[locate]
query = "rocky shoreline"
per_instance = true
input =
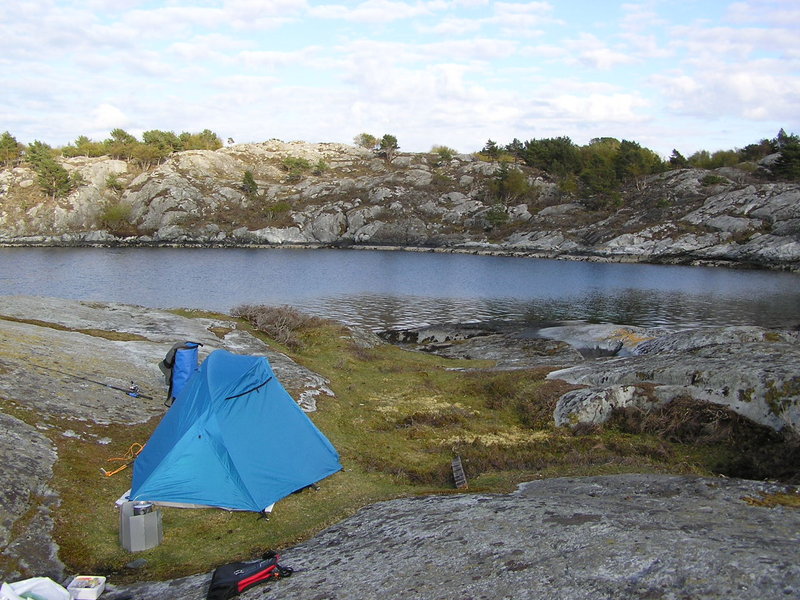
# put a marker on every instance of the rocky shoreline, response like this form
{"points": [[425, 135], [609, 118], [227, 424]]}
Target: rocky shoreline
{"points": [[724, 217], [752, 371], [474, 250], [630, 536]]}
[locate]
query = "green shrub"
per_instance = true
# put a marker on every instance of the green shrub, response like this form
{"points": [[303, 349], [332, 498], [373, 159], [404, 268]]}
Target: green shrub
{"points": [[710, 180], [116, 217], [77, 179], [497, 215], [249, 185], [366, 140], [508, 185], [282, 206], [113, 182], [296, 164], [442, 154], [321, 167], [54, 180]]}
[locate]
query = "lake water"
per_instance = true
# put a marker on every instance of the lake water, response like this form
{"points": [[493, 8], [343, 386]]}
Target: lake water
{"points": [[383, 289]]}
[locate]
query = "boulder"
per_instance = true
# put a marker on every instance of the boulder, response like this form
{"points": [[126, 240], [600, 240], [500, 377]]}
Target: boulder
{"points": [[25, 494], [753, 371], [598, 339], [596, 405], [328, 227], [277, 235]]}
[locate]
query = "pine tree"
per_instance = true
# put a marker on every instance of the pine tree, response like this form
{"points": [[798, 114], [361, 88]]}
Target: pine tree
{"points": [[9, 149], [249, 185], [54, 180]]}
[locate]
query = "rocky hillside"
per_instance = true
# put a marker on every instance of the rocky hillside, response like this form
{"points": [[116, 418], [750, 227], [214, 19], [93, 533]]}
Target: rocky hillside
{"points": [[335, 194]]}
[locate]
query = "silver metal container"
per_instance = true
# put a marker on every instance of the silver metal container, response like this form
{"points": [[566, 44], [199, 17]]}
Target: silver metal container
{"points": [[142, 508]]}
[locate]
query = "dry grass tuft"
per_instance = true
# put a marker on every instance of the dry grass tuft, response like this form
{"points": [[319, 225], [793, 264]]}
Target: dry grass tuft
{"points": [[749, 450], [684, 420], [530, 396], [791, 500], [281, 323]]}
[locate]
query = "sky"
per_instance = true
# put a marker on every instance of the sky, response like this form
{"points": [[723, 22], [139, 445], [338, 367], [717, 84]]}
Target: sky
{"points": [[672, 74]]}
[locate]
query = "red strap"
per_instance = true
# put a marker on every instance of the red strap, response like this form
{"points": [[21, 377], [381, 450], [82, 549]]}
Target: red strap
{"points": [[260, 576]]}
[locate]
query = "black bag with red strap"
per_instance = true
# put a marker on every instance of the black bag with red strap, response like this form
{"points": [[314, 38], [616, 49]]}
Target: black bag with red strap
{"points": [[232, 579]]}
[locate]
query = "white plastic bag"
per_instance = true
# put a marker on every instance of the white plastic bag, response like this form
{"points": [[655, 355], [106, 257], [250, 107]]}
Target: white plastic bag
{"points": [[35, 588]]}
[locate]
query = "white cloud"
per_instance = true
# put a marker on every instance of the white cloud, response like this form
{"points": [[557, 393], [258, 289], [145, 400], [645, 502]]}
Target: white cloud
{"points": [[272, 60], [513, 20], [477, 49], [453, 26], [453, 72], [387, 54], [377, 11], [249, 9], [642, 20], [777, 13], [211, 48], [597, 108], [108, 117], [255, 15], [590, 51], [750, 91], [526, 18], [733, 44], [169, 22], [646, 46]]}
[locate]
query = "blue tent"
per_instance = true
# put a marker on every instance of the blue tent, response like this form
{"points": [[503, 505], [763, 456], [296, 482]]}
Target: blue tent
{"points": [[234, 438]]}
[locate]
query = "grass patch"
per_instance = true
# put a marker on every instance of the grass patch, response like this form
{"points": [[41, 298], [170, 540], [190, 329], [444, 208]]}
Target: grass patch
{"points": [[792, 500], [195, 540], [397, 420], [100, 333]]}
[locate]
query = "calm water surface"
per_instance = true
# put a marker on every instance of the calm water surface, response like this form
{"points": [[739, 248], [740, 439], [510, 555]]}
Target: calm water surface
{"points": [[391, 289]]}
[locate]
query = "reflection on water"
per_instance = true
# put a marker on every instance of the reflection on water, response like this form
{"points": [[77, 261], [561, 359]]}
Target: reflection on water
{"points": [[395, 289], [671, 310], [381, 311]]}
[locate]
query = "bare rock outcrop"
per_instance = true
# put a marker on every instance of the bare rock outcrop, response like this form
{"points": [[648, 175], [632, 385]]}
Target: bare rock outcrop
{"points": [[504, 344], [336, 194], [753, 371], [623, 537], [750, 370]]}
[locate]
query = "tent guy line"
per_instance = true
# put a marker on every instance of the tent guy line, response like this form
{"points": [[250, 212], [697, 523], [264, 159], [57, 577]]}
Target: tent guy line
{"points": [[133, 390], [254, 389]]}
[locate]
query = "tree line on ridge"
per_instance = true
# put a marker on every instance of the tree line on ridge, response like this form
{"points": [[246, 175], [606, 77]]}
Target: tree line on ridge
{"points": [[597, 170]]}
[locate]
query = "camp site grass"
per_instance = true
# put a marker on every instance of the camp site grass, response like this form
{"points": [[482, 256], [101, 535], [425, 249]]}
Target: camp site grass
{"points": [[397, 421]]}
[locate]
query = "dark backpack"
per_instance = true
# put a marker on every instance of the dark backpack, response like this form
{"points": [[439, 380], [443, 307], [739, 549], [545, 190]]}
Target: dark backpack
{"points": [[232, 579], [178, 366]]}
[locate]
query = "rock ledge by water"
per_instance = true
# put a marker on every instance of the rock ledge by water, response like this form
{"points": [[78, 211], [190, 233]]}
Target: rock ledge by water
{"points": [[195, 198]]}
